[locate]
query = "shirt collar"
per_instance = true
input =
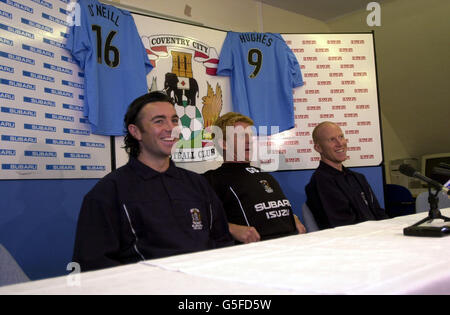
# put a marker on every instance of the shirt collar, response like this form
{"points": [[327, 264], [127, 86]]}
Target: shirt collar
{"points": [[333, 170], [146, 172], [232, 165]]}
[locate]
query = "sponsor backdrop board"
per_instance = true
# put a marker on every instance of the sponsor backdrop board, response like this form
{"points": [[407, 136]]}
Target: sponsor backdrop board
{"points": [[43, 133], [340, 86]]}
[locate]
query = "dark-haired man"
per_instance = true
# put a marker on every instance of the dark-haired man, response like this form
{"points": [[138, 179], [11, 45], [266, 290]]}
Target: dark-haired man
{"points": [[148, 208]]}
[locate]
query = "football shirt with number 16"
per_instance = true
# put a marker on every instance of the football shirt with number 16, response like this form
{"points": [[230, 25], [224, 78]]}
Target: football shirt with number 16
{"points": [[107, 46]]}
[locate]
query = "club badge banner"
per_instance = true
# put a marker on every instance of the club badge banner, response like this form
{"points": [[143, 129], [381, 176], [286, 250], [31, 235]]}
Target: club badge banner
{"points": [[185, 62]]}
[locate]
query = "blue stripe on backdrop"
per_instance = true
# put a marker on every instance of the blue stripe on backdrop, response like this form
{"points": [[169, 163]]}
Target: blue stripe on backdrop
{"points": [[293, 183], [38, 217], [38, 221]]}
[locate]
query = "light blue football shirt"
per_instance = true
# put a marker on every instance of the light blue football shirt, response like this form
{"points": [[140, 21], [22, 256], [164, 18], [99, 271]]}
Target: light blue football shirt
{"points": [[108, 48], [263, 72]]}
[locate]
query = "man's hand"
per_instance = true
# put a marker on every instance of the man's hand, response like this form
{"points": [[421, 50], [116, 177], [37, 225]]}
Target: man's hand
{"points": [[244, 234], [300, 228]]}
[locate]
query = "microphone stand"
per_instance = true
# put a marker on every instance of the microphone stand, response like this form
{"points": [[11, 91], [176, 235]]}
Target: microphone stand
{"points": [[434, 213]]}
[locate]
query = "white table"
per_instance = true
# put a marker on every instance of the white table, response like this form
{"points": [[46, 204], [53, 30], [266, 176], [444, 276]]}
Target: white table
{"points": [[367, 258]]}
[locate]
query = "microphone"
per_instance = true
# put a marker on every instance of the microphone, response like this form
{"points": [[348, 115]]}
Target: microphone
{"points": [[408, 170], [418, 229]]}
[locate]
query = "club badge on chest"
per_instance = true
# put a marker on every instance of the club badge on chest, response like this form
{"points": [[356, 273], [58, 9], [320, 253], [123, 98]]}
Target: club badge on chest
{"points": [[196, 219]]}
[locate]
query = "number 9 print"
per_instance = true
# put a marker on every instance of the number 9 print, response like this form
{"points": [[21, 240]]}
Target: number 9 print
{"points": [[255, 63]]}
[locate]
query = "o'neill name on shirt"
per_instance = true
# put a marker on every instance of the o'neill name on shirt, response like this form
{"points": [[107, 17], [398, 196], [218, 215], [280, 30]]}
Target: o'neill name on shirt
{"points": [[104, 12]]}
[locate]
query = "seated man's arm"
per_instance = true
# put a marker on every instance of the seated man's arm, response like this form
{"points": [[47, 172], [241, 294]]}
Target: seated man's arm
{"points": [[96, 242], [220, 233], [329, 205], [244, 234], [300, 227], [379, 212]]}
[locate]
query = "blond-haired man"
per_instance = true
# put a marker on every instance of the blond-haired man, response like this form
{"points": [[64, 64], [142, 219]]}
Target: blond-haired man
{"points": [[256, 206], [336, 195]]}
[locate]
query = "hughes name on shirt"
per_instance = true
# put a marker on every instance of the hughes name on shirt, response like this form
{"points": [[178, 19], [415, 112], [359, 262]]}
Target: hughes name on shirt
{"points": [[256, 37]]}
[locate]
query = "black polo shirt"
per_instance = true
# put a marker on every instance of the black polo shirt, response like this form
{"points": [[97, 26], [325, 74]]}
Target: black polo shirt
{"points": [[136, 213], [253, 198], [339, 198]]}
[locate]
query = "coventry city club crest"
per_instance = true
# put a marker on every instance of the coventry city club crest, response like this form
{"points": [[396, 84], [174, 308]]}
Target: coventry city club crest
{"points": [[266, 186], [184, 68], [196, 219]]}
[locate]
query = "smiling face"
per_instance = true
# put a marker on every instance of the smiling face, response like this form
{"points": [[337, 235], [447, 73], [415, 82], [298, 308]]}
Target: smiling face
{"points": [[242, 142], [153, 130], [330, 142], [237, 147]]}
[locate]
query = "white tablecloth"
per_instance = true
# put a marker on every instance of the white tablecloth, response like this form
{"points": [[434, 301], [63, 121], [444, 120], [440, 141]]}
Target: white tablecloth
{"points": [[367, 258]]}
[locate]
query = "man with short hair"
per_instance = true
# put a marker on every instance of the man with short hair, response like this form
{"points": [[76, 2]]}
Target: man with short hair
{"points": [[256, 206], [336, 195], [148, 208]]}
